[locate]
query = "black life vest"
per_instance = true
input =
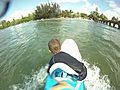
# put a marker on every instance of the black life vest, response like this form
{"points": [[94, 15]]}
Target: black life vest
{"points": [[72, 62]]}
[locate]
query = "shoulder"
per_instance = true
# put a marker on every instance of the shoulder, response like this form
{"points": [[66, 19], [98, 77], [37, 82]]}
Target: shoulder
{"points": [[60, 54]]}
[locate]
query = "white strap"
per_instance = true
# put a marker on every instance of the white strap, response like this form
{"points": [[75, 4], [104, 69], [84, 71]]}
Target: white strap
{"points": [[64, 67]]}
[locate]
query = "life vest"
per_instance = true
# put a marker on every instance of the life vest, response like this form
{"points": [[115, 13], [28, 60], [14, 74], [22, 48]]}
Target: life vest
{"points": [[69, 64]]}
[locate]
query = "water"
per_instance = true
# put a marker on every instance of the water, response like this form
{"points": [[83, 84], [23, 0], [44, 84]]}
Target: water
{"points": [[24, 55]]}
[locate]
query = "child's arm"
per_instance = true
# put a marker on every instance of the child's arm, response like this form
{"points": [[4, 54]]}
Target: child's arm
{"points": [[61, 85]]}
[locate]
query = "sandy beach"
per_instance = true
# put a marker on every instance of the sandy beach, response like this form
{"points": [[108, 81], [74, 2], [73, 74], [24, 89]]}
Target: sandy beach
{"points": [[65, 19]]}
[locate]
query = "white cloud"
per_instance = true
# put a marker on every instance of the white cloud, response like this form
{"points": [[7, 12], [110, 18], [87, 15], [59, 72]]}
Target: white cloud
{"points": [[41, 3], [87, 7], [112, 4], [16, 15], [110, 14], [62, 1], [116, 9]]}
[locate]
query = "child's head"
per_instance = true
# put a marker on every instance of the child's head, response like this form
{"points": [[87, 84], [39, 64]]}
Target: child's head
{"points": [[54, 46]]}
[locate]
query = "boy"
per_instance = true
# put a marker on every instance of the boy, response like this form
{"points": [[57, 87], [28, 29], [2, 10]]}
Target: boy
{"points": [[59, 56]]}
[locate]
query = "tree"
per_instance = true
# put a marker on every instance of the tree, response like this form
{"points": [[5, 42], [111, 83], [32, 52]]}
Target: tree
{"points": [[84, 16], [96, 9], [3, 22], [78, 15], [14, 21], [48, 10], [94, 16], [114, 19], [67, 13], [103, 17]]}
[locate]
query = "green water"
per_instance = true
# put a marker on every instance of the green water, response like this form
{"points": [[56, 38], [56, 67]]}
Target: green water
{"points": [[24, 55]]}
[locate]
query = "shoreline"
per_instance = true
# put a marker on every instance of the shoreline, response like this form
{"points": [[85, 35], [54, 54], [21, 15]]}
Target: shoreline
{"points": [[116, 26], [62, 18], [65, 19]]}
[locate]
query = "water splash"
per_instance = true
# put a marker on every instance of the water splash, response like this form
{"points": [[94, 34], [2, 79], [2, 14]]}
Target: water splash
{"points": [[95, 81], [32, 83]]}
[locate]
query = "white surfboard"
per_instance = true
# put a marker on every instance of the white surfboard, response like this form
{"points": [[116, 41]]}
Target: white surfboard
{"points": [[69, 46]]}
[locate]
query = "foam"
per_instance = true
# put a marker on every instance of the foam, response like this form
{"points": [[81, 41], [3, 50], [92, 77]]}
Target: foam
{"points": [[93, 81], [32, 83]]}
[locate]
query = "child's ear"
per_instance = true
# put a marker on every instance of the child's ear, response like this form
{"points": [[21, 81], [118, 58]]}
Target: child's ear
{"points": [[49, 51]]}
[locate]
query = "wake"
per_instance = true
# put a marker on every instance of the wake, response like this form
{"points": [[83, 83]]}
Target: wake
{"points": [[93, 81]]}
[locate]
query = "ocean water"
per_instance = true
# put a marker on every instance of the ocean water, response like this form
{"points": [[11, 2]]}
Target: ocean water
{"points": [[24, 54]]}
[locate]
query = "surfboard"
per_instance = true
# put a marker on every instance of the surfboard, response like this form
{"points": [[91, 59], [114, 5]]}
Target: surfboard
{"points": [[68, 46]]}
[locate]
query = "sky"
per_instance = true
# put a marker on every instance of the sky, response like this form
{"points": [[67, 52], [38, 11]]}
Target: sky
{"points": [[20, 8]]}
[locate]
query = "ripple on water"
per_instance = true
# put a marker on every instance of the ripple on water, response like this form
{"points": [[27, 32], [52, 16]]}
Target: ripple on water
{"points": [[24, 50]]}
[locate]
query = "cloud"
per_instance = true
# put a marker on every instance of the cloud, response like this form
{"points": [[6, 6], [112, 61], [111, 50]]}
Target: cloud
{"points": [[110, 14], [115, 9], [17, 15], [63, 1], [87, 7], [112, 3]]}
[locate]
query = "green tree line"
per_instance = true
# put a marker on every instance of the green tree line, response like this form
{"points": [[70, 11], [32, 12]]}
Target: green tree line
{"points": [[52, 10]]}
